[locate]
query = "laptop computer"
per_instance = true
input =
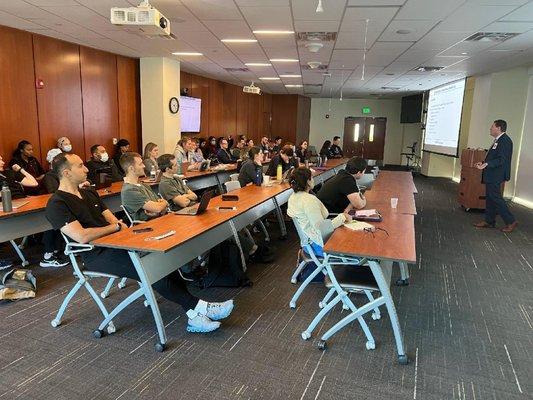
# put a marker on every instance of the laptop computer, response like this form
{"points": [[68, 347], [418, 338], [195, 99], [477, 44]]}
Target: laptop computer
{"points": [[197, 208]]}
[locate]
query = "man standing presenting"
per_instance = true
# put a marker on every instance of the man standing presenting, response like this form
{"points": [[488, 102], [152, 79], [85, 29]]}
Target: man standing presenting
{"points": [[497, 169]]}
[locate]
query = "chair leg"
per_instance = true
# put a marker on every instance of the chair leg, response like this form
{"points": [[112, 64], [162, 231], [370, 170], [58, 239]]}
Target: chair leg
{"points": [[376, 314], [57, 320], [122, 283], [307, 333], [107, 288], [299, 268], [19, 252], [326, 298], [302, 287], [263, 228]]}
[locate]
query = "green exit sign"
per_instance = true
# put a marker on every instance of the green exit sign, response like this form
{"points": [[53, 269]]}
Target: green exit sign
{"points": [[366, 110]]}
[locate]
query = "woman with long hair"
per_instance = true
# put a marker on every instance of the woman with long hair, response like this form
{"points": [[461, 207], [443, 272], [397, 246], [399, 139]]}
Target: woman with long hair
{"points": [[151, 152]]}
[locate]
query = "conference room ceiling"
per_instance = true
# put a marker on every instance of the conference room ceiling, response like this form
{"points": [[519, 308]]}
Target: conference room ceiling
{"points": [[401, 35]]}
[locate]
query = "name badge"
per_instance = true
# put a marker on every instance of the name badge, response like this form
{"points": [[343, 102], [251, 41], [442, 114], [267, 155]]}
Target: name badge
{"points": [[494, 146]]}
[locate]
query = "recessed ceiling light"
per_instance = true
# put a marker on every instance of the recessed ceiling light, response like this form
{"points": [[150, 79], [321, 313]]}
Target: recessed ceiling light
{"points": [[293, 86], [187, 53], [290, 76], [403, 31], [238, 40], [464, 54], [283, 60], [257, 64], [389, 74], [269, 78], [273, 32]]}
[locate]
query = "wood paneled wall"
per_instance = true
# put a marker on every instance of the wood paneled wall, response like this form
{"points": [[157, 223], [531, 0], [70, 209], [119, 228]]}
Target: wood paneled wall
{"points": [[226, 110], [89, 95]]}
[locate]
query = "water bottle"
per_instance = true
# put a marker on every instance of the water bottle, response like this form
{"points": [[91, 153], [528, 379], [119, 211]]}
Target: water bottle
{"points": [[306, 163], [179, 168], [258, 176], [7, 206], [153, 173], [319, 162], [279, 172], [325, 160]]}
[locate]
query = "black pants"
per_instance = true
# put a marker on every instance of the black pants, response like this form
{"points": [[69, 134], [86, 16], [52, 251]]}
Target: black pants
{"points": [[118, 262], [53, 241], [495, 204]]}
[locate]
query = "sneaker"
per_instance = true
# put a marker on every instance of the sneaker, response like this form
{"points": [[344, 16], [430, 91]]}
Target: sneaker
{"points": [[5, 264], [218, 311], [53, 262], [201, 324]]}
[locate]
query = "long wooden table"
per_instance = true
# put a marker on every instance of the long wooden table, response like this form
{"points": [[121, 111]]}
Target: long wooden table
{"points": [[193, 235], [30, 218], [393, 242]]}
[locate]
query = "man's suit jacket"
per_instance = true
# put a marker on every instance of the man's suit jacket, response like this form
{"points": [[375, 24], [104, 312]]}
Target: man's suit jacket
{"points": [[498, 161]]}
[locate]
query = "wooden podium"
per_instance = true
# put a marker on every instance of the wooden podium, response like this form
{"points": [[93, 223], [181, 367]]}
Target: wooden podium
{"points": [[471, 190]]}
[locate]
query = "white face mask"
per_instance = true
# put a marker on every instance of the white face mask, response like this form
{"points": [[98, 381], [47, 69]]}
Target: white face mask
{"points": [[104, 157], [67, 148]]}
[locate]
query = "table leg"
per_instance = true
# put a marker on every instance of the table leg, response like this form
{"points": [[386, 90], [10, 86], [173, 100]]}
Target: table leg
{"points": [[220, 185], [281, 221], [238, 242], [404, 272]]}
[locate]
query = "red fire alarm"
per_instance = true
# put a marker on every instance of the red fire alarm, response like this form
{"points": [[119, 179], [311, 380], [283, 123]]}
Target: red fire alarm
{"points": [[39, 84]]}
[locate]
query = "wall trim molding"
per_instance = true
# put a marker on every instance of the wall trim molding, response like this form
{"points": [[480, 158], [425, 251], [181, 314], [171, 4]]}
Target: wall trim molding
{"points": [[523, 202]]}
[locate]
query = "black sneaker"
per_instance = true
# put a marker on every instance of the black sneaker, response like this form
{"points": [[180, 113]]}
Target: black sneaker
{"points": [[53, 262], [5, 264]]}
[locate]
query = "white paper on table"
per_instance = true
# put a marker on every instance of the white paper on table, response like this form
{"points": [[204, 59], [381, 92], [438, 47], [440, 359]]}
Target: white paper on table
{"points": [[365, 213]]}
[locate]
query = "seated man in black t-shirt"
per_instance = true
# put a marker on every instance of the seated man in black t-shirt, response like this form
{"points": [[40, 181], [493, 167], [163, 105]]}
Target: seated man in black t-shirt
{"points": [[100, 163], [82, 216], [335, 150], [341, 193]]}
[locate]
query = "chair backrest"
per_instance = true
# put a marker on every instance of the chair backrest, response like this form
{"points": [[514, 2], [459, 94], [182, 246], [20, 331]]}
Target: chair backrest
{"points": [[305, 242], [234, 177], [232, 185], [130, 219]]}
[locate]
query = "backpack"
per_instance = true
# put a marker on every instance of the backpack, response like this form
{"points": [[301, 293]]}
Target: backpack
{"points": [[17, 284]]}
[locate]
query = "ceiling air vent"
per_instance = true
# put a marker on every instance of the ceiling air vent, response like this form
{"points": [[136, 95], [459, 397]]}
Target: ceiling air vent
{"points": [[316, 36], [426, 68], [314, 88], [390, 88], [321, 67], [237, 69], [495, 37]]}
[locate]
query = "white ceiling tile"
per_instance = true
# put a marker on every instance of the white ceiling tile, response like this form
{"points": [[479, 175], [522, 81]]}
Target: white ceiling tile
{"points": [[418, 29], [524, 13], [520, 42], [316, 26], [259, 3], [190, 25], [360, 3], [209, 9], [433, 10], [258, 17], [41, 3], [378, 17], [473, 16], [203, 39], [16, 22], [383, 53], [512, 27], [277, 41], [21, 8], [224, 29], [440, 40]]}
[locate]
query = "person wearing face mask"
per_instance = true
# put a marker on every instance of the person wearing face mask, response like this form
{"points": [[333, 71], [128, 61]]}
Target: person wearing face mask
{"points": [[63, 146], [122, 147], [309, 212], [100, 163], [23, 156], [210, 147]]}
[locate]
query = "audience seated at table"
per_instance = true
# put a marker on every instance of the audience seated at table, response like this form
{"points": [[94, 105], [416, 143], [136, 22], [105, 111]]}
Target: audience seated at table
{"points": [[335, 150], [99, 163], [122, 146], [325, 151], [184, 150], [197, 154], [23, 156], [341, 193], [63, 146], [151, 152], [264, 145], [252, 169], [82, 216], [309, 212], [223, 154], [173, 189], [285, 158], [302, 153]]}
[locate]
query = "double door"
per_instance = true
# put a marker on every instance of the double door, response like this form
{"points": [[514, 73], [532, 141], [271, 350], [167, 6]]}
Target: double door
{"points": [[364, 137]]}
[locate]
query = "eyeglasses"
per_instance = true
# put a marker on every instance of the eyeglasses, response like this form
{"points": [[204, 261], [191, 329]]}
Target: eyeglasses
{"points": [[373, 230]]}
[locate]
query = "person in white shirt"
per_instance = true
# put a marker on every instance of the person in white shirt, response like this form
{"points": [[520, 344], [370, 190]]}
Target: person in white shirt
{"points": [[308, 211]]}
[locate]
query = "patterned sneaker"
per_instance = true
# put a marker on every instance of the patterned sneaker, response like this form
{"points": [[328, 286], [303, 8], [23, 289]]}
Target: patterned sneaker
{"points": [[218, 311], [53, 262], [201, 324], [5, 264]]}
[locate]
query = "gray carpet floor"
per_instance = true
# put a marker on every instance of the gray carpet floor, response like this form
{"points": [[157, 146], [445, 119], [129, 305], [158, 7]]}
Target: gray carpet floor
{"points": [[467, 318]]}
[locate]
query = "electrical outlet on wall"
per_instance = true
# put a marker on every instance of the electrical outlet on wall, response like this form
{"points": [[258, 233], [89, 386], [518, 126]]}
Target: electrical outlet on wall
{"points": [[115, 140]]}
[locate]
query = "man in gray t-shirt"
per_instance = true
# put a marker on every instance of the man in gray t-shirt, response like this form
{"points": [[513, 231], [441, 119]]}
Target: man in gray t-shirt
{"points": [[139, 200], [173, 189]]}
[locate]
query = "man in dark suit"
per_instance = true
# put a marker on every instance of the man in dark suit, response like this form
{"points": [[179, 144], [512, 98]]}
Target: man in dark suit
{"points": [[497, 169]]}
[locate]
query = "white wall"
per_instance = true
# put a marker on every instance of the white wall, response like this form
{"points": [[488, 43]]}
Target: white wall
{"points": [[323, 128], [160, 81]]}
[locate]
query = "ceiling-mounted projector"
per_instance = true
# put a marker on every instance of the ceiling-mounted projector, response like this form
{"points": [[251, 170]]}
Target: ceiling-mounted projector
{"points": [[144, 17], [251, 89]]}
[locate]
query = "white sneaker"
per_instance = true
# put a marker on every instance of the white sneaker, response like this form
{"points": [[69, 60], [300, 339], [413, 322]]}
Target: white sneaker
{"points": [[218, 311], [201, 324]]}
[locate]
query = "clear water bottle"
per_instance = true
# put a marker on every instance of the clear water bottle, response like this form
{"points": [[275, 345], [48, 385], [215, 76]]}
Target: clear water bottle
{"points": [[7, 206], [325, 160], [153, 173], [179, 168]]}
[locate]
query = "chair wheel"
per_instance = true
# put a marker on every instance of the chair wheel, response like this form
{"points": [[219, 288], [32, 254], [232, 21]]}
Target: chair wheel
{"points": [[25, 263], [306, 335], [376, 316], [103, 295], [294, 281], [121, 285], [55, 323], [111, 328], [146, 304], [292, 304], [160, 347], [345, 307], [98, 333], [321, 304], [322, 345], [402, 282], [403, 359], [370, 345]]}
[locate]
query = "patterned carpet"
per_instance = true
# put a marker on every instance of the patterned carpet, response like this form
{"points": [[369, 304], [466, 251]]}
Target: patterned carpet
{"points": [[467, 318]]}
